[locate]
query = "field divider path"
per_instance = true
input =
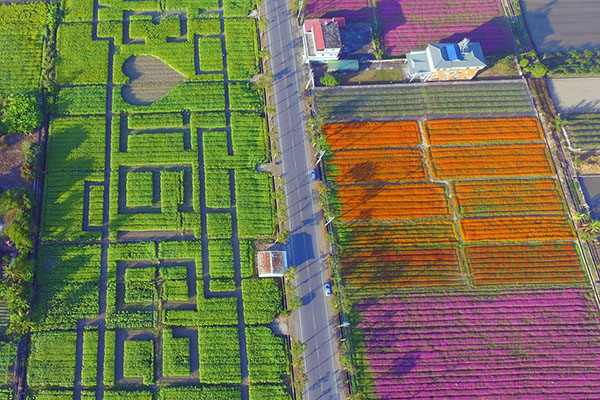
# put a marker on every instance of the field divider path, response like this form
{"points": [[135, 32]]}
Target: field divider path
{"points": [[453, 207], [105, 212]]}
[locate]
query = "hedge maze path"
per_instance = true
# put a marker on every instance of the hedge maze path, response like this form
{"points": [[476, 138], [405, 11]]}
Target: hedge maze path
{"points": [[162, 302]]}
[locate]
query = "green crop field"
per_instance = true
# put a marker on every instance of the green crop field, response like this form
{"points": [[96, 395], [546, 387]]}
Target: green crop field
{"points": [[583, 130], [146, 286], [412, 101], [22, 28]]}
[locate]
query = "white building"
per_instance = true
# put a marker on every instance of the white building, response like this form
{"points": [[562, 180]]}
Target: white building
{"points": [[446, 62], [271, 264], [322, 40]]}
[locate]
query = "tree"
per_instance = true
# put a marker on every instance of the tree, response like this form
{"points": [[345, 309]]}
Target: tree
{"points": [[291, 294], [263, 81], [538, 70], [590, 231], [329, 80], [21, 114], [264, 54]]}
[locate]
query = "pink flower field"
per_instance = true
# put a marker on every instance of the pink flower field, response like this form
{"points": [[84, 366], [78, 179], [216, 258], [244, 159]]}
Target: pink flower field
{"points": [[411, 24], [352, 10], [542, 344]]}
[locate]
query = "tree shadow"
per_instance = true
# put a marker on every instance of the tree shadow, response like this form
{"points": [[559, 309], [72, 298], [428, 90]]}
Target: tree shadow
{"points": [[404, 365]]}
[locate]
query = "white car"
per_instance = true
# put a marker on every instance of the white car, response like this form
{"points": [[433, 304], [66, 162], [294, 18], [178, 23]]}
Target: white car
{"points": [[327, 287]]}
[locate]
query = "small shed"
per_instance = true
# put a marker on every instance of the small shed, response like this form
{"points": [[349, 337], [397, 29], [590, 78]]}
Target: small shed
{"points": [[271, 264]]}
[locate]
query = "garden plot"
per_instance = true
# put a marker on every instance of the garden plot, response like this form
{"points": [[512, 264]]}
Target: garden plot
{"points": [[412, 24], [562, 25], [576, 95], [471, 344], [22, 27], [429, 100], [152, 203]]}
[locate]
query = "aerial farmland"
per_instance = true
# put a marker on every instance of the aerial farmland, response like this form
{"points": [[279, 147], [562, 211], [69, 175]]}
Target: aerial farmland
{"points": [[320, 199], [145, 279], [460, 221]]}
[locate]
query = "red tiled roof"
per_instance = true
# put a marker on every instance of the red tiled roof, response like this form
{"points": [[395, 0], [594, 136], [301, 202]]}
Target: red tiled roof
{"points": [[314, 26]]}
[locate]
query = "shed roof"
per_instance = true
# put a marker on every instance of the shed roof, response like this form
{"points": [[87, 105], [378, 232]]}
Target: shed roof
{"points": [[271, 263], [342, 65]]}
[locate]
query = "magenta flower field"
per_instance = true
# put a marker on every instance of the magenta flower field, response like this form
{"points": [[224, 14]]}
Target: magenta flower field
{"points": [[407, 25], [411, 24], [542, 344], [352, 10]]}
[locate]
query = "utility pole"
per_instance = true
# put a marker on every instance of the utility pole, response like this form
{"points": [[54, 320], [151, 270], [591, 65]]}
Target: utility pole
{"points": [[320, 157]]}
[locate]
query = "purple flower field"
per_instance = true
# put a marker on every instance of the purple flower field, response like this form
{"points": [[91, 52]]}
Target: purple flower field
{"points": [[411, 24], [352, 10], [542, 344]]}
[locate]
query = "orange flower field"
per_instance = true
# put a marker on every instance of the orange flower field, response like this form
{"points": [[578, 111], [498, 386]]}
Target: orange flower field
{"points": [[390, 165], [517, 228], [478, 205], [405, 233], [383, 270], [372, 135], [391, 202], [546, 263], [448, 132], [491, 161], [508, 197]]}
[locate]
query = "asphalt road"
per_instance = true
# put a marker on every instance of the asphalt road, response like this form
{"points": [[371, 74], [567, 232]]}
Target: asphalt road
{"points": [[317, 325]]}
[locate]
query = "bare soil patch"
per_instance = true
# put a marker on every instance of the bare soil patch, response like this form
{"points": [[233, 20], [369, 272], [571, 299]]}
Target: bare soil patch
{"points": [[575, 95], [11, 160], [150, 79], [559, 25]]}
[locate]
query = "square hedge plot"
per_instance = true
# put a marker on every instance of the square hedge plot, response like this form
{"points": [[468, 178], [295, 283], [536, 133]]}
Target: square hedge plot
{"points": [[138, 360]]}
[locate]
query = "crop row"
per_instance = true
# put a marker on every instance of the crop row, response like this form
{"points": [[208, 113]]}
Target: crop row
{"points": [[377, 165], [491, 161], [508, 197], [464, 131], [401, 102], [584, 130], [390, 202], [550, 263], [372, 135], [517, 228], [380, 271]]}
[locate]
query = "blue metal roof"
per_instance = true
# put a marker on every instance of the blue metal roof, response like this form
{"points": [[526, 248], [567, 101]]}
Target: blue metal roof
{"points": [[452, 52]]}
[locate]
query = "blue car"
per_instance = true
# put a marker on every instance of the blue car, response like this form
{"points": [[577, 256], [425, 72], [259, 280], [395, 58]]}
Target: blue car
{"points": [[313, 175]]}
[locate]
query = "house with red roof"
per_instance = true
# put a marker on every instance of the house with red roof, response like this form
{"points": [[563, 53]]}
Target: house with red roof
{"points": [[321, 38]]}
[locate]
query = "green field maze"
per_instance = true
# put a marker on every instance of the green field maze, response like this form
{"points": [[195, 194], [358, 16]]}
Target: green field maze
{"points": [[146, 285]]}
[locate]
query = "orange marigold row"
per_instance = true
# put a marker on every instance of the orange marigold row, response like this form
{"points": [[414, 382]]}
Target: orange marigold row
{"points": [[463, 131], [362, 135]]}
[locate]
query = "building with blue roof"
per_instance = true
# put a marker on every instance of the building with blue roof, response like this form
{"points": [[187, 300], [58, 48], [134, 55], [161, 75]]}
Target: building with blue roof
{"points": [[446, 62]]}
